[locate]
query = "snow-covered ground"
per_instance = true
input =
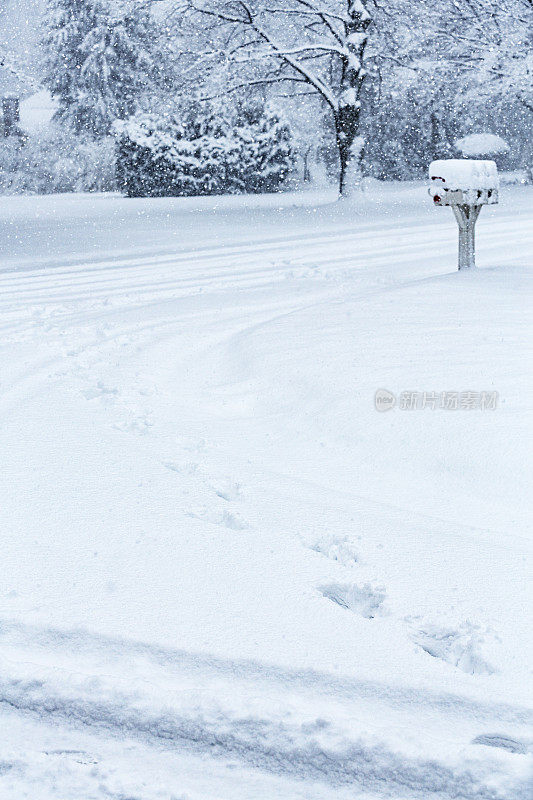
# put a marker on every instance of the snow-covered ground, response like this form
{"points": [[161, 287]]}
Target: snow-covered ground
{"points": [[225, 575]]}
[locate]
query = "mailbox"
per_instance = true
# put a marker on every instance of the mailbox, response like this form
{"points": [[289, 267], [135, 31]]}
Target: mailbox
{"points": [[465, 185]]}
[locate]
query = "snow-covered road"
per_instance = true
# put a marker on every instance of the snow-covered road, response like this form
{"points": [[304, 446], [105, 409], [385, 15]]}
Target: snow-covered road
{"points": [[225, 574]]}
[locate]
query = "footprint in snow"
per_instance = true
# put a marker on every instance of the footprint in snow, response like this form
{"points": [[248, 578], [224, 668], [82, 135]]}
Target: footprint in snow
{"points": [[100, 390], [461, 647], [500, 740], [227, 490], [140, 425], [337, 548], [190, 468], [363, 600], [228, 519], [79, 756], [234, 521]]}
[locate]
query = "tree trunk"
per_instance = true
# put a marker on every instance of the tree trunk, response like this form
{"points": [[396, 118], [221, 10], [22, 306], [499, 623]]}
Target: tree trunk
{"points": [[11, 112], [435, 138], [347, 118], [307, 171], [350, 147]]}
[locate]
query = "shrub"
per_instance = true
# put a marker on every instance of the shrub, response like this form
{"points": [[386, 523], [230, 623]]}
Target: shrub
{"points": [[203, 154], [56, 161]]}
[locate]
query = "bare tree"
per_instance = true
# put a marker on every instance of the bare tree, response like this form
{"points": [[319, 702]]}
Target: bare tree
{"points": [[491, 43], [318, 43]]}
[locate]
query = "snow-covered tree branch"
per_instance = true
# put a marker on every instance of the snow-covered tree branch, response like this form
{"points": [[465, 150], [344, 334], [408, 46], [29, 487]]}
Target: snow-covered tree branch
{"points": [[492, 44], [317, 42]]}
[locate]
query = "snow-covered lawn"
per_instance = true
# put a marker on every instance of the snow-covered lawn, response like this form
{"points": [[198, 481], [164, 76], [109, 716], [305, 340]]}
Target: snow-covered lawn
{"points": [[225, 575]]}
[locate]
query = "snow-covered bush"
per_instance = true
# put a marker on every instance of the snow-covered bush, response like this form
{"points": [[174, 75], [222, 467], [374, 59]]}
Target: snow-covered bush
{"points": [[203, 153], [56, 162], [265, 150]]}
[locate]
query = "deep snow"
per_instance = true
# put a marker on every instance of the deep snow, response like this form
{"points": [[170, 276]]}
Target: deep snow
{"points": [[225, 574]]}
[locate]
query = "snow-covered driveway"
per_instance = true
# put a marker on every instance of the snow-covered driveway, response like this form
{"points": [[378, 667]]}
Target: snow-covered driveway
{"points": [[225, 575]]}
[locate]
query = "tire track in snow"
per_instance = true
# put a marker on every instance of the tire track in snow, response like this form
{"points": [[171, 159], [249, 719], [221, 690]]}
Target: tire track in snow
{"points": [[117, 694], [121, 283], [344, 233], [86, 645], [222, 265], [30, 382], [41, 371], [255, 745]]}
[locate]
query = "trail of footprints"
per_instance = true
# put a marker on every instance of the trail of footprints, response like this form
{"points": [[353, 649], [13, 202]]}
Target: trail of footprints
{"points": [[366, 600], [460, 647], [223, 511]]}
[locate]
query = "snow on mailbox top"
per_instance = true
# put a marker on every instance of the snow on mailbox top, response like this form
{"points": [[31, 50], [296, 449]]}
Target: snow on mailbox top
{"points": [[482, 144], [461, 181]]}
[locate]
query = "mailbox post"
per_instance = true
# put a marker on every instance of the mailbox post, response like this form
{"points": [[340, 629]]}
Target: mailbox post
{"points": [[465, 185], [466, 217]]}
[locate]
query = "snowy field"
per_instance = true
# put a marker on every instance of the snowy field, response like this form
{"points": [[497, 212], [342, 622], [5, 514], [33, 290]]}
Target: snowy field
{"points": [[225, 575]]}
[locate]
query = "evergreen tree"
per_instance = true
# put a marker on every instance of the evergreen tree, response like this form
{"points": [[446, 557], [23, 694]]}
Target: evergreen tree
{"points": [[100, 61]]}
